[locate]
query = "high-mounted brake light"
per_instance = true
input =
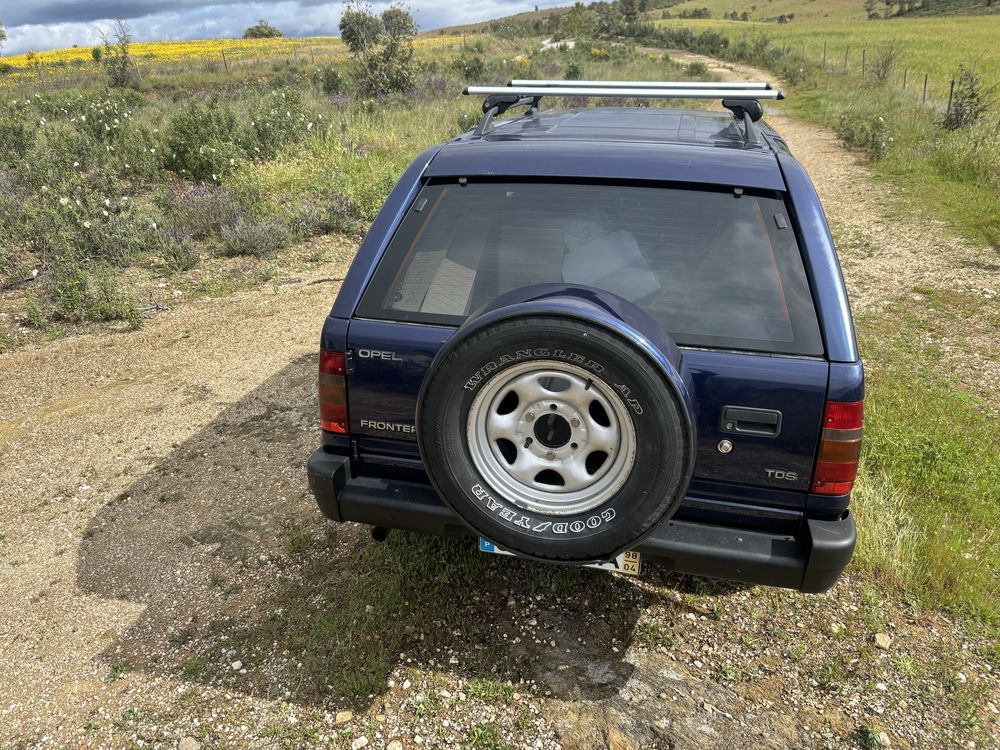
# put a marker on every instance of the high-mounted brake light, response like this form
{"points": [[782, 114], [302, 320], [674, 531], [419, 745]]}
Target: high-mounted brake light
{"points": [[333, 392], [839, 448]]}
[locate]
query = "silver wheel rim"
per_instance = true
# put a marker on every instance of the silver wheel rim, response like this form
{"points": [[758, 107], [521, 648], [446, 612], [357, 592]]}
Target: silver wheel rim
{"points": [[551, 438]]}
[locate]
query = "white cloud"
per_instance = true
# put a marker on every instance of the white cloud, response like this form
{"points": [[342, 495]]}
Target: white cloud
{"points": [[193, 19]]}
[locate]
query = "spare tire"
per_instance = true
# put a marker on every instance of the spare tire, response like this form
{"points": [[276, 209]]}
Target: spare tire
{"points": [[554, 437]]}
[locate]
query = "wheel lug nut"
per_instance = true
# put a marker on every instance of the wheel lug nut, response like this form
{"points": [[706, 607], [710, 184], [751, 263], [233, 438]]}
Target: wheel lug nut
{"points": [[529, 417], [574, 422], [550, 455]]}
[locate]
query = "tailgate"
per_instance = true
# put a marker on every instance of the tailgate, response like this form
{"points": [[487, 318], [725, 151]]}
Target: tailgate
{"points": [[770, 410]]}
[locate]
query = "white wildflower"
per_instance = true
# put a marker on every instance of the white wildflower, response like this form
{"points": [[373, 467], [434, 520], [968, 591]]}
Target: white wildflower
{"points": [[45, 188], [107, 202], [309, 126], [105, 212], [152, 224], [86, 225], [64, 201], [76, 164], [214, 178]]}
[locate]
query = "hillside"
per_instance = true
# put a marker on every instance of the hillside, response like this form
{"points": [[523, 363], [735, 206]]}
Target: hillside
{"points": [[827, 10]]}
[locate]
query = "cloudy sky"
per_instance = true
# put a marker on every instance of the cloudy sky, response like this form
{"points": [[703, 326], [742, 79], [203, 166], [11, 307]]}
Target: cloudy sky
{"points": [[50, 24]]}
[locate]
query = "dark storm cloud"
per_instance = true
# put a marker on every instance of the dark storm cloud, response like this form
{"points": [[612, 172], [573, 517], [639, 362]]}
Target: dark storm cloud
{"points": [[49, 24]]}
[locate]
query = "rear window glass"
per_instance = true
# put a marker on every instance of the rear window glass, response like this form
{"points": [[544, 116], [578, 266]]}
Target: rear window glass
{"points": [[715, 269]]}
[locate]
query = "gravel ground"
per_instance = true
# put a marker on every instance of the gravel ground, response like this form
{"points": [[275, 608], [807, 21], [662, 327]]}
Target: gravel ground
{"points": [[165, 579]]}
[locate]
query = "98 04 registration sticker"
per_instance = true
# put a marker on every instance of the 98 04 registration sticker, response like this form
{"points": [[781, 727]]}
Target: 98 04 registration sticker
{"points": [[628, 562]]}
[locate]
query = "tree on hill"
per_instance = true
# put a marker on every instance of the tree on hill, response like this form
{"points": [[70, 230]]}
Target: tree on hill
{"points": [[116, 55], [630, 9], [359, 27], [579, 23], [261, 30], [3, 35], [382, 47]]}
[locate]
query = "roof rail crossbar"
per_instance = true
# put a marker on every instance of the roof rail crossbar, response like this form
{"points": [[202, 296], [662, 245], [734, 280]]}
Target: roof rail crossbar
{"points": [[756, 85], [741, 98], [708, 91]]}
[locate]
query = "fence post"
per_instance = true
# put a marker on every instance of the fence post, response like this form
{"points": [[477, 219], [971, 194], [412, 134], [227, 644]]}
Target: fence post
{"points": [[824, 55], [864, 54], [925, 89], [224, 61], [951, 93], [905, 71]]}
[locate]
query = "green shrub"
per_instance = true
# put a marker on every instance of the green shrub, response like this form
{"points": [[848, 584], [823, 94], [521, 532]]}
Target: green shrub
{"points": [[256, 237], [469, 67], [277, 119], [696, 70], [202, 141], [574, 71], [49, 162], [18, 132], [34, 312], [77, 295], [118, 234], [971, 100], [328, 80], [868, 132]]}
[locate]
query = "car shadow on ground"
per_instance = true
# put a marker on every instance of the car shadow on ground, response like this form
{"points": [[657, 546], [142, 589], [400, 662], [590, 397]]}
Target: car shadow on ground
{"points": [[245, 586]]}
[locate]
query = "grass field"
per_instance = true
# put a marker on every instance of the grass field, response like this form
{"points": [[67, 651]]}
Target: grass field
{"points": [[762, 10], [920, 41]]}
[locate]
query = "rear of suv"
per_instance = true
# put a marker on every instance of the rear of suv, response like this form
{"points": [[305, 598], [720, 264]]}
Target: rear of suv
{"points": [[599, 335]]}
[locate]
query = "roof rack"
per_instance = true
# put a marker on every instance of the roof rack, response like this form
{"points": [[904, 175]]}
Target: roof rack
{"points": [[756, 85], [741, 98]]}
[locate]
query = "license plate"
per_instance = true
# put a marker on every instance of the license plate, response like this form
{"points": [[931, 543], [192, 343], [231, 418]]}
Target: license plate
{"points": [[628, 562]]}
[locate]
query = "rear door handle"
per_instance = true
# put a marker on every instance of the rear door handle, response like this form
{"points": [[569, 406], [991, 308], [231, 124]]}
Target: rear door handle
{"points": [[747, 420]]}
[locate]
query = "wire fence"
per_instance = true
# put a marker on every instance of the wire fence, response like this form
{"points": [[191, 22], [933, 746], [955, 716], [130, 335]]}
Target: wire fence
{"points": [[880, 64]]}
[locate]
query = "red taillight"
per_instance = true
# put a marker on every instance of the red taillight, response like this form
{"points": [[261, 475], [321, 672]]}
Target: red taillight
{"points": [[839, 448], [844, 415], [332, 392]]}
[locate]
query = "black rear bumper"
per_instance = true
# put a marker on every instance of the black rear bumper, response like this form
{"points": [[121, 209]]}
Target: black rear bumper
{"points": [[811, 561]]}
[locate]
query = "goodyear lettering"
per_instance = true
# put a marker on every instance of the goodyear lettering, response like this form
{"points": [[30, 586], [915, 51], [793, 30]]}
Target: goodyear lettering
{"points": [[515, 518]]}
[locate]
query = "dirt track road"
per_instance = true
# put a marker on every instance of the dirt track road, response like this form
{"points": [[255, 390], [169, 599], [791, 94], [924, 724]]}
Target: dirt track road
{"points": [[152, 496]]}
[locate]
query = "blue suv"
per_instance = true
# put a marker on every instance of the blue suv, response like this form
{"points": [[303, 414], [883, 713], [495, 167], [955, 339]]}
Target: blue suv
{"points": [[601, 335]]}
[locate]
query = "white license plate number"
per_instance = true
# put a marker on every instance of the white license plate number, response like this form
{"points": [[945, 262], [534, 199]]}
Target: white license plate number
{"points": [[628, 562]]}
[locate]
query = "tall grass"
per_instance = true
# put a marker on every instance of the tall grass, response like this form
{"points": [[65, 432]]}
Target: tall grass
{"points": [[928, 497]]}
